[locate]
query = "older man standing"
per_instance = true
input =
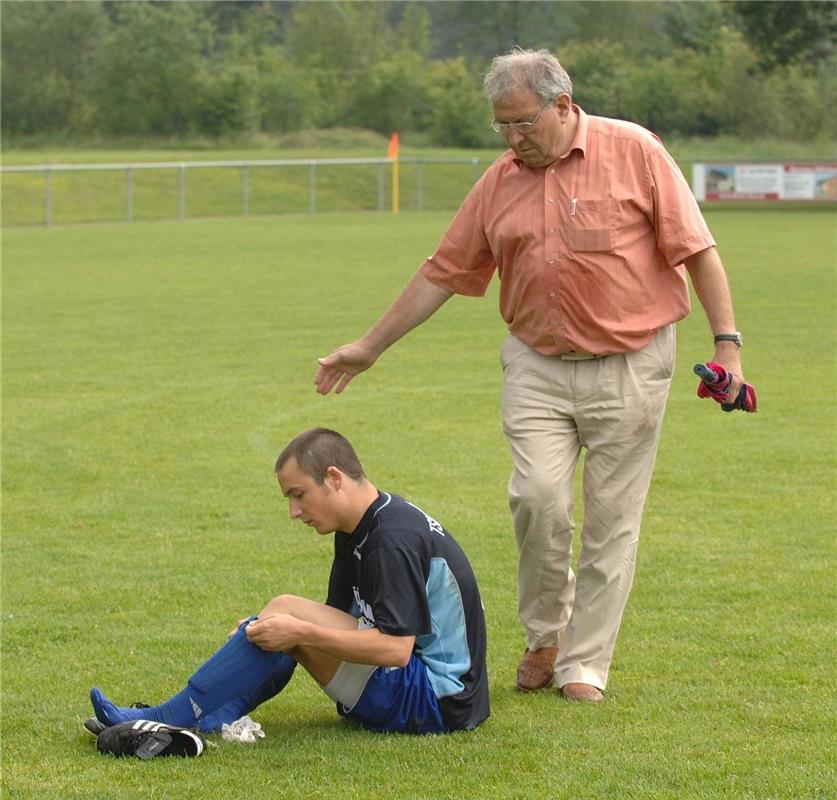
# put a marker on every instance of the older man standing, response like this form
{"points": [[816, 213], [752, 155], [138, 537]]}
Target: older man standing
{"points": [[589, 224]]}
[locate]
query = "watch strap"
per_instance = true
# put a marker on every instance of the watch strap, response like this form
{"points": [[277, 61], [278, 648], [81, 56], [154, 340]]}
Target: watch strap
{"points": [[729, 337]]}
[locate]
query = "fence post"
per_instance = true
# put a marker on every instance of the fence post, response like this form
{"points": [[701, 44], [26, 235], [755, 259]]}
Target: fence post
{"points": [[380, 187], [48, 197], [420, 185], [312, 187], [475, 170], [245, 190], [181, 192], [129, 194]]}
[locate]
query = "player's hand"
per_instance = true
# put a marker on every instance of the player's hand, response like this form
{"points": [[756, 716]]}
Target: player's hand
{"points": [[237, 626], [276, 632], [342, 365]]}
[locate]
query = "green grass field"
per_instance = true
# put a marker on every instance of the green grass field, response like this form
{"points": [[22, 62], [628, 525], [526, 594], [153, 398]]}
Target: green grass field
{"points": [[151, 373]]}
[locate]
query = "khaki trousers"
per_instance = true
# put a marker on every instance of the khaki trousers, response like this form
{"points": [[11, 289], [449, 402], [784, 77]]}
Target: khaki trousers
{"points": [[552, 408]]}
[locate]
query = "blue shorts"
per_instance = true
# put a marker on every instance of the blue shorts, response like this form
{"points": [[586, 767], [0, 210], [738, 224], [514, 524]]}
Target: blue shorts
{"points": [[398, 700]]}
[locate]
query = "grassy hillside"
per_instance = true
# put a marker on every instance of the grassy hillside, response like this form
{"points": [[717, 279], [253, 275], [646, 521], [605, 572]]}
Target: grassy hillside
{"points": [[114, 195]]}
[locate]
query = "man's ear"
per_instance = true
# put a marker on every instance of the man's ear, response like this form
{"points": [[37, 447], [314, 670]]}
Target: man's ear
{"points": [[564, 104], [334, 478]]}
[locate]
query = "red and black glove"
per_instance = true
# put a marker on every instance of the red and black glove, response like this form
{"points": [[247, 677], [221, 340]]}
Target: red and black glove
{"points": [[715, 382]]}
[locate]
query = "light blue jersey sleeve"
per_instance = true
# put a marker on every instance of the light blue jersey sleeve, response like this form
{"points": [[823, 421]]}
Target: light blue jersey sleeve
{"points": [[445, 649]]}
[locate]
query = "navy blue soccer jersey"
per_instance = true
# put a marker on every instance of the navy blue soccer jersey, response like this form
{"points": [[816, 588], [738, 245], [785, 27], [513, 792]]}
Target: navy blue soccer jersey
{"points": [[403, 573]]}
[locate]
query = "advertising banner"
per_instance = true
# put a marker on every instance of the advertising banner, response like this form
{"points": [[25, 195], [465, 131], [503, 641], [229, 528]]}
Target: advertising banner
{"points": [[765, 181]]}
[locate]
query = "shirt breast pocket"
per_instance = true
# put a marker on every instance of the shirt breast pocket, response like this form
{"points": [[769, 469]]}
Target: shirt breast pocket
{"points": [[591, 225]]}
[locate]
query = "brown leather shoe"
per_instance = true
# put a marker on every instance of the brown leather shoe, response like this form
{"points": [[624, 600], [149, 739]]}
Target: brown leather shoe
{"points": [[584, 692], [537, 669]]}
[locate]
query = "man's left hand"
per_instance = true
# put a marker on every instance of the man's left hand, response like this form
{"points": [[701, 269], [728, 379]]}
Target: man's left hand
{"points": [[720, 387], [728, 356], [276, 632]]}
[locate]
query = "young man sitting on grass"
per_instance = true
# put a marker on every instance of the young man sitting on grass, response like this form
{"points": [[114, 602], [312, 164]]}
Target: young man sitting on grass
{"points": [[399, 644]]}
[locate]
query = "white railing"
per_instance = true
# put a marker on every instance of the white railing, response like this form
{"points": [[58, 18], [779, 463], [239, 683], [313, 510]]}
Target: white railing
{"points": [[182, 167]]}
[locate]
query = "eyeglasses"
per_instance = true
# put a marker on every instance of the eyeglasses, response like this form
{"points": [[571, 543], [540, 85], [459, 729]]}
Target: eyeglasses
{"points": [[505, 128]]}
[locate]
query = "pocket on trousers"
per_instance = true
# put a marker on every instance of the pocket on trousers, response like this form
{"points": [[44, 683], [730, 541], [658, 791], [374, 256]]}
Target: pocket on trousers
{"points": [[656, 359]]}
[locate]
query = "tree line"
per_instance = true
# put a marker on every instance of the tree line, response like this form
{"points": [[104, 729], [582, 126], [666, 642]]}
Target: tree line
{"points": [[181, 69]]}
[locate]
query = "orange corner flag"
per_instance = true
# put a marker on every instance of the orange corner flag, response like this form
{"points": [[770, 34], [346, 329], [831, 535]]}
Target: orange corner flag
{"points": [[392, 152]]}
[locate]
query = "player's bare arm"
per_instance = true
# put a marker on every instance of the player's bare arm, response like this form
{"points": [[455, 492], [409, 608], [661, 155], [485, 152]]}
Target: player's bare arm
{"points": [[418, 301], [370, 646], [712, 289]]}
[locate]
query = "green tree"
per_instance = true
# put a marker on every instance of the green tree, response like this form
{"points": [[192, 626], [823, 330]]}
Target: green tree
{"points": [[288, 97], [638, 28], [149, 69], [228, 100], [47, 57], [336, 42], [391, 96], [478, 31], [690, 25], [281, 95], [786, 32], [413, 31], [600, 72], [461, 115]]}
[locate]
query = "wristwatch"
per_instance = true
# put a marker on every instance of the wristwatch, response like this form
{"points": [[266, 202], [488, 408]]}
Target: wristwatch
{"points": [[730, 337]]}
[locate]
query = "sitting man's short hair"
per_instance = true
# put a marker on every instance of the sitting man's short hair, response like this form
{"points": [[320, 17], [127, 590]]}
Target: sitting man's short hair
{"points": [[317, 450]]}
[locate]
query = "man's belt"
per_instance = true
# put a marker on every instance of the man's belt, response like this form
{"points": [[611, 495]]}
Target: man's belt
{"points": [[577, 356]]}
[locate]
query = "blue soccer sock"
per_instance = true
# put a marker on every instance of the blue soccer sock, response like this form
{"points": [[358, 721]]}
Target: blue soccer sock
{"points": [[235, 709], [227, 677], [112, 714]]}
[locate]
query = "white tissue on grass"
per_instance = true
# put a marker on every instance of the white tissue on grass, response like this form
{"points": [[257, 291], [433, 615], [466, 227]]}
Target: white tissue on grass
{"points": [[242, 730]]}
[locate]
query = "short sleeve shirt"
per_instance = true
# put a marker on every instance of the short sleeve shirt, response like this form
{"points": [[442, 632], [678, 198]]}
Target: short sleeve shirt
{"points": [[400, 571], [589, 250]]}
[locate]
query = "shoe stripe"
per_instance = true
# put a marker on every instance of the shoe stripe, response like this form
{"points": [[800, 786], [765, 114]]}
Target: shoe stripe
{"points": [[146, 725], [198, 741]]}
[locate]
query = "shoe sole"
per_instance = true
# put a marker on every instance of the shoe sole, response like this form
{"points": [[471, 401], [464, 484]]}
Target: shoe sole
{"points": [[592, 698], [533, 689]]}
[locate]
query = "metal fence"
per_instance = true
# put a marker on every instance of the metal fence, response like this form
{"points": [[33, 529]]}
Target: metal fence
{"points": [[32, 200]]}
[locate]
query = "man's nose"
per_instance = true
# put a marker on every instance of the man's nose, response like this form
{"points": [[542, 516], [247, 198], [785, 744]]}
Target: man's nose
{"points": [[296, 511], [515, 137]]}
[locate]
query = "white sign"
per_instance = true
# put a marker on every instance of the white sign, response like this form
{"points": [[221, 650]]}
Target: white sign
{"points": [[765, 181]]}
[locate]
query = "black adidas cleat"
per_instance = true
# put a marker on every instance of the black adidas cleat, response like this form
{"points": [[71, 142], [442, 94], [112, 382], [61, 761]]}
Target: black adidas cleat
{"points": [[93, 726], [145, 739]]}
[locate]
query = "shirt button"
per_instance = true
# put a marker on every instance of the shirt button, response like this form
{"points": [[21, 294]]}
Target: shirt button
{"points": [[551, 260], [552, 294], [552, 230], [552, 171], [551, 199]]}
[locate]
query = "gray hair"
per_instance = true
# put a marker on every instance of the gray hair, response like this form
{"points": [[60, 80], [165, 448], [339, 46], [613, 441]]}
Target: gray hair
{"points": [[536, 70]]}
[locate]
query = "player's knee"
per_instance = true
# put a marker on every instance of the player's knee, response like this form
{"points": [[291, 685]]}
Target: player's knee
{"points": [[282, 604]]}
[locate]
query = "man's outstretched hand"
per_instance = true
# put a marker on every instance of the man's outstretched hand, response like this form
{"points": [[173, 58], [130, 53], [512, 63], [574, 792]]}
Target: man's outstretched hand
{"points": [[342, 365]]}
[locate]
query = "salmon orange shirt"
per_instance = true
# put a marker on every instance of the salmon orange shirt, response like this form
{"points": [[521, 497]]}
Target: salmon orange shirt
{"points": [[589, 250]]}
